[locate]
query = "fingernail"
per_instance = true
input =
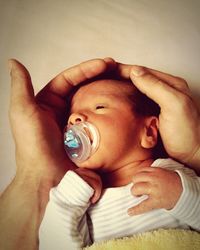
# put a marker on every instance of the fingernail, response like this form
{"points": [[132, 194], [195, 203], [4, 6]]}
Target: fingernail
{"points": [[138, 71]]}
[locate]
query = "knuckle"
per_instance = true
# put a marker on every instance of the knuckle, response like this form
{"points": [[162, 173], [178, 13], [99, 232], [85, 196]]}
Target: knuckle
{"points": [[149, 77], [158, 170], [182, 86], [136, 189]]}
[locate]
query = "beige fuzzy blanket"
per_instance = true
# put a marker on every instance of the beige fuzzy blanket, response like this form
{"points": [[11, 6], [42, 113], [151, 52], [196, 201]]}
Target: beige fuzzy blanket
{"points": [[162, 239]]}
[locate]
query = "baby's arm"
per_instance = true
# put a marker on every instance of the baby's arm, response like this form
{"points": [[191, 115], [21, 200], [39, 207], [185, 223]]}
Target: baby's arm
{"points": [[64, 225], [177, 191]]}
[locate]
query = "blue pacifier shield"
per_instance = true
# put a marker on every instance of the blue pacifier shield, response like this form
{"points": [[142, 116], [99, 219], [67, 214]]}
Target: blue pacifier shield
{"points": [[71, 140]]}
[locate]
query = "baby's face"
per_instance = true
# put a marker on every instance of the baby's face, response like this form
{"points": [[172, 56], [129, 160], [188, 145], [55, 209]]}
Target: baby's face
{"points": [[105, 104]]}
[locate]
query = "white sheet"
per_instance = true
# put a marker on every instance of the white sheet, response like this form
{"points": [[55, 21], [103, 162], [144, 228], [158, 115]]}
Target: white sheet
{"points": [[48, 36]]}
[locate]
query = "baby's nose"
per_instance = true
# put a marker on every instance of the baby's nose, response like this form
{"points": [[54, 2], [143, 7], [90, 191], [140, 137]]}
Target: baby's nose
{"points": [[76, 118]]}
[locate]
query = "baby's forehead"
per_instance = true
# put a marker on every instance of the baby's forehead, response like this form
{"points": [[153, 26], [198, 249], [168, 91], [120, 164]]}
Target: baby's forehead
{"points": [[105, 87]]}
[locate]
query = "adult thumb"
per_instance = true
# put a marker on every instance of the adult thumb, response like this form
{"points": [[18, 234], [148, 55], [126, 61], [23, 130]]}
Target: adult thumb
{"points": [[22, 93]]}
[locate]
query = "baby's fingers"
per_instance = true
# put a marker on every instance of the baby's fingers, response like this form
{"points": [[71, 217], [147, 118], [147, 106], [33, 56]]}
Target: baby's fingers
{"points": [[97, 194], [143, 207], [96, 184], [93, 180], [141, 188]]}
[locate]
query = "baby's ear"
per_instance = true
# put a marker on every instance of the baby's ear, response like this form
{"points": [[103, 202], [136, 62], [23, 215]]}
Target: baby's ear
{"points": [[150, 132]]}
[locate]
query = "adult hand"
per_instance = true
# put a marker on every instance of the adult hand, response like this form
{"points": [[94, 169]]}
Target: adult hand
{"points": [[156, 183], [179, 120], [36, 124]]}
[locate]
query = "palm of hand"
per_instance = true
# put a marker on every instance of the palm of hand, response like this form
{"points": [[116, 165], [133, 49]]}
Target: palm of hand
{"points": [[38, 129]]}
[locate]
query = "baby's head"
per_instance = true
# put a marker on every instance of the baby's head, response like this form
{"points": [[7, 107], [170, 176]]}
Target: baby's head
{"points": [[127, 122]]}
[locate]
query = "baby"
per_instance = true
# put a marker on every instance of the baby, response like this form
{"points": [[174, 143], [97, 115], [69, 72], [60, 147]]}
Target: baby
{"points": [[92, 203]]}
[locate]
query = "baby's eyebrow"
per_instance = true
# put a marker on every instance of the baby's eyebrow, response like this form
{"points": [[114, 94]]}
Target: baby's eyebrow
{"points": [[114, 95], [98, 98]]}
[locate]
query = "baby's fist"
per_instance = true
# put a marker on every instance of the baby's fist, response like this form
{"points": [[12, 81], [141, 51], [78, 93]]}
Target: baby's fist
{"points": [[93, 180]]}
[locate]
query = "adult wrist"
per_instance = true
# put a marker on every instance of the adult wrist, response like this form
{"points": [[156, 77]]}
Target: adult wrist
{"points": [[22, 204], [35, 184]]}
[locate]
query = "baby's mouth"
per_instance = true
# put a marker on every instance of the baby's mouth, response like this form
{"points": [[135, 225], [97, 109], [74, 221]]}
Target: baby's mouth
{"points": [[89, 134]]}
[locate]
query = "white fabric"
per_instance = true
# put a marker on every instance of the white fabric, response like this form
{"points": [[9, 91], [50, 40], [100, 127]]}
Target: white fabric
{"points": [[49, 36], [70, 222]]}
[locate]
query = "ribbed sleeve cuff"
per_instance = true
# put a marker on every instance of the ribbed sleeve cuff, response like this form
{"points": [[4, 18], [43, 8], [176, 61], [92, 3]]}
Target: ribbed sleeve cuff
{"points": [[186, 207], [72, 190]]}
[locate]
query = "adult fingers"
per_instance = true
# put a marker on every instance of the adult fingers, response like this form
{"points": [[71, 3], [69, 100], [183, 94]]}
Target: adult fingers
{"points": [[175, 82], [156, 89], [22, 93], [125, 70], [62, 83]]}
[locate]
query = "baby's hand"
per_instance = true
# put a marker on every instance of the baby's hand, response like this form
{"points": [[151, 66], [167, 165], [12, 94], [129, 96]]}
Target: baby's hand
{"points": [[93, 180], [162, 186]]}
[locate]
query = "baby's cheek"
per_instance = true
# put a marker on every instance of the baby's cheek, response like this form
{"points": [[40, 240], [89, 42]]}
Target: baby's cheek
{"points": [[94, 162]]}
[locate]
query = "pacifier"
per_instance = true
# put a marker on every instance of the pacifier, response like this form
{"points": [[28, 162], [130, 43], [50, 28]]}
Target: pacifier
{"points": [[81, 140]]}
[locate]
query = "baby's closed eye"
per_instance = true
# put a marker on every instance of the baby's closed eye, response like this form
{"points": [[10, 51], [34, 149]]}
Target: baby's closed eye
{"points": [[100, 106]]}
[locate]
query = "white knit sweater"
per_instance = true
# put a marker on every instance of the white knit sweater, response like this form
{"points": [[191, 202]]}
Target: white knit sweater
{"points": [[71, 222]]}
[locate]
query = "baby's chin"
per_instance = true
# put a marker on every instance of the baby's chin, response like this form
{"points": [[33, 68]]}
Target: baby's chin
{"points": [[89, 164]]}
